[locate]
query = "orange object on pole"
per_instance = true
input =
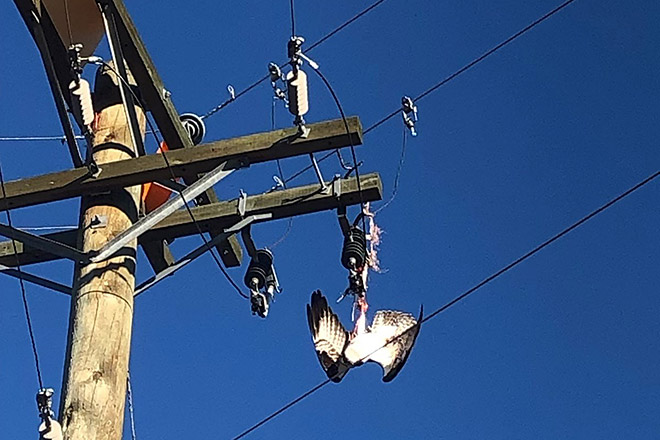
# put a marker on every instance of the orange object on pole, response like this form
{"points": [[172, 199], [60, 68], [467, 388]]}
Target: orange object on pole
{"points": [[153, 194]]}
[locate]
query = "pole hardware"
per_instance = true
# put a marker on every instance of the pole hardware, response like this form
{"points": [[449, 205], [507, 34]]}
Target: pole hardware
{"points": [[260, 276], [49, 429], [197, 252], [409, 114], [195, 127], [160, 213], [296, 81], [354, 255], [82, 105]]}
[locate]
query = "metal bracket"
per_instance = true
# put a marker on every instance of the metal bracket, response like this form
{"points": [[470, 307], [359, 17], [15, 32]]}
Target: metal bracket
{"points": [[34, 279], [336, 187], [344, 224], [242, 203], [171, 185], [191, 256], [42, 243], [98, 222], [147, 222], [319, 176], [246, 235]]}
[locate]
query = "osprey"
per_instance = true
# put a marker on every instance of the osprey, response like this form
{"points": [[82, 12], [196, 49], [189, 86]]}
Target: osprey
{"points": [[388, 341]]}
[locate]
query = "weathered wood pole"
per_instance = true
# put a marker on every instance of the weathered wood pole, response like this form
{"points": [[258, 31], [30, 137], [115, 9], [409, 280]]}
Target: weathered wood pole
{"points": [[98, 347]]}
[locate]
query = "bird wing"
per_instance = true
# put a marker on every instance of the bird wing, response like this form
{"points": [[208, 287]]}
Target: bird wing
{"points": [[398, 332], [329, 336]]}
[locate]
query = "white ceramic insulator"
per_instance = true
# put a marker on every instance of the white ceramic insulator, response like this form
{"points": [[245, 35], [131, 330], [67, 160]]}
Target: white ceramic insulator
{"points": [[82, 101], [298, 94]]}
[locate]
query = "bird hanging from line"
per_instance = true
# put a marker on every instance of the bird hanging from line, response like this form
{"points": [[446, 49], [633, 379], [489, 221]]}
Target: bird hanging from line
{"points": [[388, 341]]}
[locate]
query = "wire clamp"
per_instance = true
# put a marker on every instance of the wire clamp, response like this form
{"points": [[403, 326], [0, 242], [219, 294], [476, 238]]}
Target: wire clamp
{"points": [[49, 429], [409, 114], [275, 74], [75, 60]]}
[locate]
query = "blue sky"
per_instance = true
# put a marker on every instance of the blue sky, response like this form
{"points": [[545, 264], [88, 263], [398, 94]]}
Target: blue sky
{"points": [[557, 123]]}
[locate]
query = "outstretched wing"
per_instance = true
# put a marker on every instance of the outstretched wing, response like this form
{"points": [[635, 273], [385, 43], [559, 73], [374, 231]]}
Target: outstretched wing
{"points": [[401, 329], [329, 336]]}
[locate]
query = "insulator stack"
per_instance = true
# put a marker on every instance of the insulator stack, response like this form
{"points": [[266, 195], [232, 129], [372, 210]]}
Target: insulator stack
{"points": [[354, 252], [81, 101], [261, 266], [194, 126], [296, 81]]}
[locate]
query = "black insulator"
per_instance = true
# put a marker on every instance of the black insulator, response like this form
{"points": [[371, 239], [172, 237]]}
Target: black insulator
{"points": [[354, 252], [261, 266]]}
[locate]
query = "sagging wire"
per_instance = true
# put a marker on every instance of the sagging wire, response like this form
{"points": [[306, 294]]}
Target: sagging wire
{"points": [[311, 47], [44, 395], [279, 181], [356, 164], [21, 282], [467, 293], [397, 177], [185, 204], [129, 398]]}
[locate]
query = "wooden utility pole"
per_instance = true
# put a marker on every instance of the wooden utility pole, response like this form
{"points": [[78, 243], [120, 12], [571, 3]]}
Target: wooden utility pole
{"points": [[98, 349], [102, 295]]}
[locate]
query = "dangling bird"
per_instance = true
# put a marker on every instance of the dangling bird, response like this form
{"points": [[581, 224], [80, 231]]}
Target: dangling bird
{"points": [[339, 350]]}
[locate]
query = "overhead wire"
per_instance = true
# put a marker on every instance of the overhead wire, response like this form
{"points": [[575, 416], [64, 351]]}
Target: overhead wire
{"points": [[474, 62], [449, 78], [397, 176], [470, 291], [356, 165], [289, 224], [503, 270], [293, 18], [21, 282], [129, 398], [185, 202], [314, 45]]}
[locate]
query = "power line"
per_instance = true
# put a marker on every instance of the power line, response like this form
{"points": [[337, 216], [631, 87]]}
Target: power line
{"points": [[475, 61], [323, 39], [26, 307], [293, 18], [470, 291], [345, 24], [36, 138], [129, 398], [289, 224], [356, 165], [402, 158]]}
